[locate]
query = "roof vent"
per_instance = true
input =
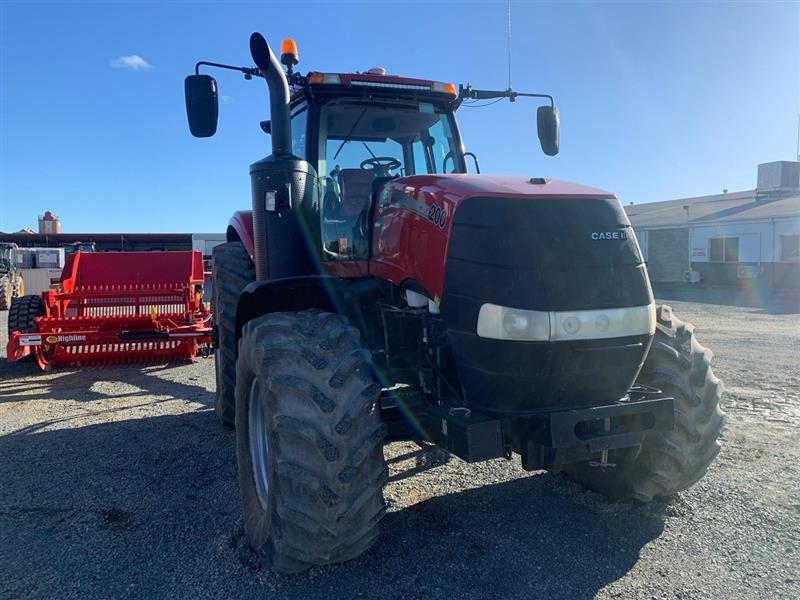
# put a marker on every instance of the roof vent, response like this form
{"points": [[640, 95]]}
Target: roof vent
{"points": [[777, 178], [376, 71]]}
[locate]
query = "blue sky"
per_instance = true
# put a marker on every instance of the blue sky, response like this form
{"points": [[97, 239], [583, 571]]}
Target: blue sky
{"points": [[657, 100]]}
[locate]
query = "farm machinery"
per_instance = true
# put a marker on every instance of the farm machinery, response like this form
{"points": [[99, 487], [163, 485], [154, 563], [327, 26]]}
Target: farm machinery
{"points": [[114, 308], [11, 283], [377, 291]]}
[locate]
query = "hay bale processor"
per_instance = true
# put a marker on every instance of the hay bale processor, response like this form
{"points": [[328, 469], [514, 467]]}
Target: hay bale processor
{"points": [[377, 291], [115, 308]]}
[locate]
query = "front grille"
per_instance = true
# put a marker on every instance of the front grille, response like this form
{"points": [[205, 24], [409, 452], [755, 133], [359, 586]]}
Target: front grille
{"points": [[541, 255]]}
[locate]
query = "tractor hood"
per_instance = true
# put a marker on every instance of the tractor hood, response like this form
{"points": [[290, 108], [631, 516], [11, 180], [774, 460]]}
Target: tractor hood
{"points": [[456, 188], [531, 243]]}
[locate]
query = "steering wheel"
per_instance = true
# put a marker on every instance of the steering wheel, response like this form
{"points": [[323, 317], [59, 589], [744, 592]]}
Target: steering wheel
{"points": [[381, 165]]}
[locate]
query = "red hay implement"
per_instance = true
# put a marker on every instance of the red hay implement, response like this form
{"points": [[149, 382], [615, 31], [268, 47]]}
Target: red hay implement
{"points": [[115, 308]]}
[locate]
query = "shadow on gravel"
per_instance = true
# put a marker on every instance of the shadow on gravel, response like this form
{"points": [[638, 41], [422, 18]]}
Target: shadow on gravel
{"points": [[16, 384], [150, 508]]}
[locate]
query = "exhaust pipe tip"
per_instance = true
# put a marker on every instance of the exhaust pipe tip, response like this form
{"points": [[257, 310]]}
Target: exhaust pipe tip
{"points": [[260, 51]]}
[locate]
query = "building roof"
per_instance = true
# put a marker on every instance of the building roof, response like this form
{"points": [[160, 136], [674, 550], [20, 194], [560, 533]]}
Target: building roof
{"points": [[68, 238], [731, 207]]}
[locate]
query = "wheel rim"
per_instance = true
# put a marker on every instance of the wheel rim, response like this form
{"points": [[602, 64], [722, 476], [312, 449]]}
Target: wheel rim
{"points": [[259, 445]]}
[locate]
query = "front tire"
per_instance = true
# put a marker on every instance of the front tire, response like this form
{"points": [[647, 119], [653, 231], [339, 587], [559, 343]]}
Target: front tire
{"points": [[309, 441], [669, 461], [6, 292], [232, 272]]}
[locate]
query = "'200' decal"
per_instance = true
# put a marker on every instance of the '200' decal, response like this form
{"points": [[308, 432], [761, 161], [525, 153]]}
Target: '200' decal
{"points": [[436, 215]]}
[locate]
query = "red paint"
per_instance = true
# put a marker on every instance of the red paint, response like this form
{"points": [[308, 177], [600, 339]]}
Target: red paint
{"points": [[104, 296], [242, 223]]}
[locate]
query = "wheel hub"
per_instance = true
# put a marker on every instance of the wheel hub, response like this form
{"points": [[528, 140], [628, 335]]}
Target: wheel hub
{"points": [[259, 445]]}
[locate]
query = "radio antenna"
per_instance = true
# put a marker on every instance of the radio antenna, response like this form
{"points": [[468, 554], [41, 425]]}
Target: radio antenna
{"points": [[509, 44], [798, 138]]}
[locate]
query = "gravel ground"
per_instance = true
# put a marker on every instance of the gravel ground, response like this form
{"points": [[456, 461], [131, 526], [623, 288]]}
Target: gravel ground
{"points": [[118, 482]]}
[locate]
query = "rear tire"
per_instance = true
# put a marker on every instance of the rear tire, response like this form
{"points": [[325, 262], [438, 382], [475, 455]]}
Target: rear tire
{"points": [[6, 292], [309, 441], [232, 271], [669, 461]]}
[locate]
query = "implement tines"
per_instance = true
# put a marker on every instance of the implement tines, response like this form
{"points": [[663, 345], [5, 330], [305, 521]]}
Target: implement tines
{"points": [[128, 300], [126, 353]]}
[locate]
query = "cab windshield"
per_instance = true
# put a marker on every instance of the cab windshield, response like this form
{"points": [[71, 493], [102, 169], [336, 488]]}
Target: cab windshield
{"points": [[393, 139]]}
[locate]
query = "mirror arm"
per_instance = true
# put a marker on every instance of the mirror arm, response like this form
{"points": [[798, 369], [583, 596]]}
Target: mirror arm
{"points": [[465, 92], [513, 95], [249, 72]]}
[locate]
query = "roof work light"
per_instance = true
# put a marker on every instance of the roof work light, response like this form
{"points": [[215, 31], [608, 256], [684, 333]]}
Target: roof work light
{"points": [[289, 54]]}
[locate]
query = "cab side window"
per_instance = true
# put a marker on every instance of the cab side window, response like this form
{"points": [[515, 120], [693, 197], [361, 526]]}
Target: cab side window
{"points": [[299, 121]]}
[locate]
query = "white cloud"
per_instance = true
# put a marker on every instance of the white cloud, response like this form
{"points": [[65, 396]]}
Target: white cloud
{"points": [[132, 62], [226, 99]]}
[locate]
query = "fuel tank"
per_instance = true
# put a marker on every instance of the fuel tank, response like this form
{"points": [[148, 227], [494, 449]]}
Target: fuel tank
{"points": [[552, 248]]}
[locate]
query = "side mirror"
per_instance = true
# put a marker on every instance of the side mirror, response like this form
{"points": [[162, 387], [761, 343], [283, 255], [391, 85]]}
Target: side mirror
{"points": [[202, 104], [548, 127]]}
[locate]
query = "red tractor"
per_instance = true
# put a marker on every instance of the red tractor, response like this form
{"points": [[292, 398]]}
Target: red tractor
{"points": [[378, 292]]}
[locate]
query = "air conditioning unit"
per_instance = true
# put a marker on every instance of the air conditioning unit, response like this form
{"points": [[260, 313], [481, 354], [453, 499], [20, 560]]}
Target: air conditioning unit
{"points": [[747, 272], [691, 276]]}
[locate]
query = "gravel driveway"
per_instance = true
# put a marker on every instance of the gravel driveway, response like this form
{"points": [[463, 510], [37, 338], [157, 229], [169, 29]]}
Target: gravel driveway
{"points": [[118, 482]]}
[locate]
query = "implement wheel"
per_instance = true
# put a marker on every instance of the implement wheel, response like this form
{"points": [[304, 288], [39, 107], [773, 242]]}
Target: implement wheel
{"points": [[233, 271], [669, 461], [6, 292], [22, 313], [309, 441]]}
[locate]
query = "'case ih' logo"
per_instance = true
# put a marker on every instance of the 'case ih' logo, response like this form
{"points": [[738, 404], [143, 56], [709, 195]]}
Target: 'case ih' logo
{"points": [[610, 235], [61, 339]]}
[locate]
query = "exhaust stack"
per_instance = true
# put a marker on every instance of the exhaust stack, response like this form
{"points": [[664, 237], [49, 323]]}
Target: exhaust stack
{"points": [[271, 70], [285, 205]]}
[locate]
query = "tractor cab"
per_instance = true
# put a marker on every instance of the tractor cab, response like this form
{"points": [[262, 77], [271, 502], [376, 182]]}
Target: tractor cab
{"points": [[344, 137], [358, 137], [8, 257]]}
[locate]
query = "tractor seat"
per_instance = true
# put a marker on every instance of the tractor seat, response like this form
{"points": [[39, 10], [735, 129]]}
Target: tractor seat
{"points": [[355, 187]]}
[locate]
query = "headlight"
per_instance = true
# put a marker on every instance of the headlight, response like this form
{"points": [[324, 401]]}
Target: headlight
{"points": [[505, 323]]}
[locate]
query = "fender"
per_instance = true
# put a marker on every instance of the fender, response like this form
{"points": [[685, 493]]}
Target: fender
{"points": [[325, 292], [240, 228]]}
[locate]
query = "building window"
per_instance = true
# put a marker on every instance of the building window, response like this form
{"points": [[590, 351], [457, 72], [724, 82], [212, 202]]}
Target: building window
{"points": [[790, 248], [724, 249]]}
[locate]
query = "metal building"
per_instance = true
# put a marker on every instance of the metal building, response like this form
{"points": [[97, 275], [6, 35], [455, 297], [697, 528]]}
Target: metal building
{"points": [[749, 238]]}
